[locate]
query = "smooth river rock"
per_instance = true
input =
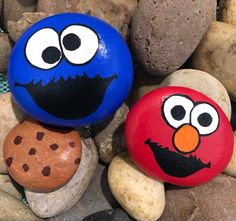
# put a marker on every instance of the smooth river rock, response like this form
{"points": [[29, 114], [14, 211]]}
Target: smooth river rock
{"points": [[109, 135], [165, 33], [213, 201], [216, 55], [13, 209], [10, 115], [202, 82], [142, 197], [47, 205]]}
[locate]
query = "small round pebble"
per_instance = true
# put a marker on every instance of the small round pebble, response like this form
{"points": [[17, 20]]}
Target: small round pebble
{"points": [[39, 157]]}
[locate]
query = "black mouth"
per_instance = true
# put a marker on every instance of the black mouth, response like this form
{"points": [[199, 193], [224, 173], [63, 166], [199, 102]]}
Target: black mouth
{"points": [[175, 164], [69, 99]]}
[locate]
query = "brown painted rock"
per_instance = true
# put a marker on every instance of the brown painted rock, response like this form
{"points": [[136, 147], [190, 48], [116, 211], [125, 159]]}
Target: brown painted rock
{"points": [[58, 6], [41, 158], [10, 116], [216, 55], [13, 209], [214, 201], [5, 50], [227, 11], [165, 33], [109, 136], [13, 9], [202, 82], [118, 13], [15, 29]]}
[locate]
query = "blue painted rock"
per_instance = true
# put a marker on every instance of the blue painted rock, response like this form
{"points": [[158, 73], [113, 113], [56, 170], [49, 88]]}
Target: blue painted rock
{"points": [[70, 70]]}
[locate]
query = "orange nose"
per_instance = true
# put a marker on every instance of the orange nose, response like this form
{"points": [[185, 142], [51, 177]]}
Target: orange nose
{"points": [[186, 139]]}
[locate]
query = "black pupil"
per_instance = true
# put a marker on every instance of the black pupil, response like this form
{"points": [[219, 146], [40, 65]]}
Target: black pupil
{"points": [[51, 55], [71, 42], [178, 112], [205, 119]]}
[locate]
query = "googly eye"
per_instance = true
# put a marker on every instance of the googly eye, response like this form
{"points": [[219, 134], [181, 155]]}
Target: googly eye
{"points": [[79, 44], [176, 110], [205, 118], [43, 49]]}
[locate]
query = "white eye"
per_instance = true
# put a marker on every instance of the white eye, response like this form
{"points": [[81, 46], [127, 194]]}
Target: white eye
{"points": [[205, 118], [79, 44], [43, 49], [176, 110]]}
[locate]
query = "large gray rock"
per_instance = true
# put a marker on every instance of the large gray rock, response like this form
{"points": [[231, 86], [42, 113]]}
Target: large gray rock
{"points": [[165, 33], [92, 201], [213, 201], [47, 205]]}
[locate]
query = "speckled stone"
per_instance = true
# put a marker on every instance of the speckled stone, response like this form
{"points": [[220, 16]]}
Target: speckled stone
{"points": [[165, 33]]}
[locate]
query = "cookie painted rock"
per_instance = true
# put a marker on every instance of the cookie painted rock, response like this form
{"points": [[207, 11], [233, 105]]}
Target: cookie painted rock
{"points": [[202, 82], [216, 55], [81, 74], [179, 135], [10, 116], [142, 197], [51, 204], [165, 33], [41, 158]]}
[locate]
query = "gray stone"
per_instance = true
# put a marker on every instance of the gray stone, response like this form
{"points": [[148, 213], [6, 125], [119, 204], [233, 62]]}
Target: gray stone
{"points": [[48, 205]]}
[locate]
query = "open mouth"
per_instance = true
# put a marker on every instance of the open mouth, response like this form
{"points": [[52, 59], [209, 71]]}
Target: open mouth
{"points": [[175, 164], [69, 99]]}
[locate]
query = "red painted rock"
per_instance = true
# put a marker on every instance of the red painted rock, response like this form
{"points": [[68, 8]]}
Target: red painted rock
{"points": [[179, 135], [41, 158]]}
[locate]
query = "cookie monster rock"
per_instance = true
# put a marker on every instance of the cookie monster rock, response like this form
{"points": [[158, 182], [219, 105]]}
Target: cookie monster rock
{"points": [[70, 70]]}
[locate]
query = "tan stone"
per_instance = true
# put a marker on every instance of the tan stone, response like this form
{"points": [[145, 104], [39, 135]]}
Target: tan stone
{"points": [[202, 82], [142, 197], [5, 50], [216, 55], [13, 209], [10, 115], [7, 185], [231, 168], [15, 29], [228, 11]]}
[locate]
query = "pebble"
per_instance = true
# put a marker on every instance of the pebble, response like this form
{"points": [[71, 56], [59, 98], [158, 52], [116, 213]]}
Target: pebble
{"points": [[158, 40], [9, 186], [16, 28], [109, 137], [216, 55], [214, 201], [109, 215], [13, 209], [47, 205], [231, 168], [202, 82], [55, 7], [118, 13], [10, 115], [5, 49], [13, 9], [142, 197], [93, 200], [40, 157], [227, 11]]}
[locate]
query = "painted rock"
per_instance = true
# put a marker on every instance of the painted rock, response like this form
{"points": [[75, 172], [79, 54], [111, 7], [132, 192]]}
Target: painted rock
{"points": [[179, 135], [80, 75], [41, 158]]}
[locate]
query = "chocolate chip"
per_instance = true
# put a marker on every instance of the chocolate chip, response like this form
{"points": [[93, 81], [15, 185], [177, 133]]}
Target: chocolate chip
{"points": [[77, 161], [54, 146], [9, 161], [32, 151], [72, 144], [25, 167], [40, 135], [18, 140], [46, 171]]}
